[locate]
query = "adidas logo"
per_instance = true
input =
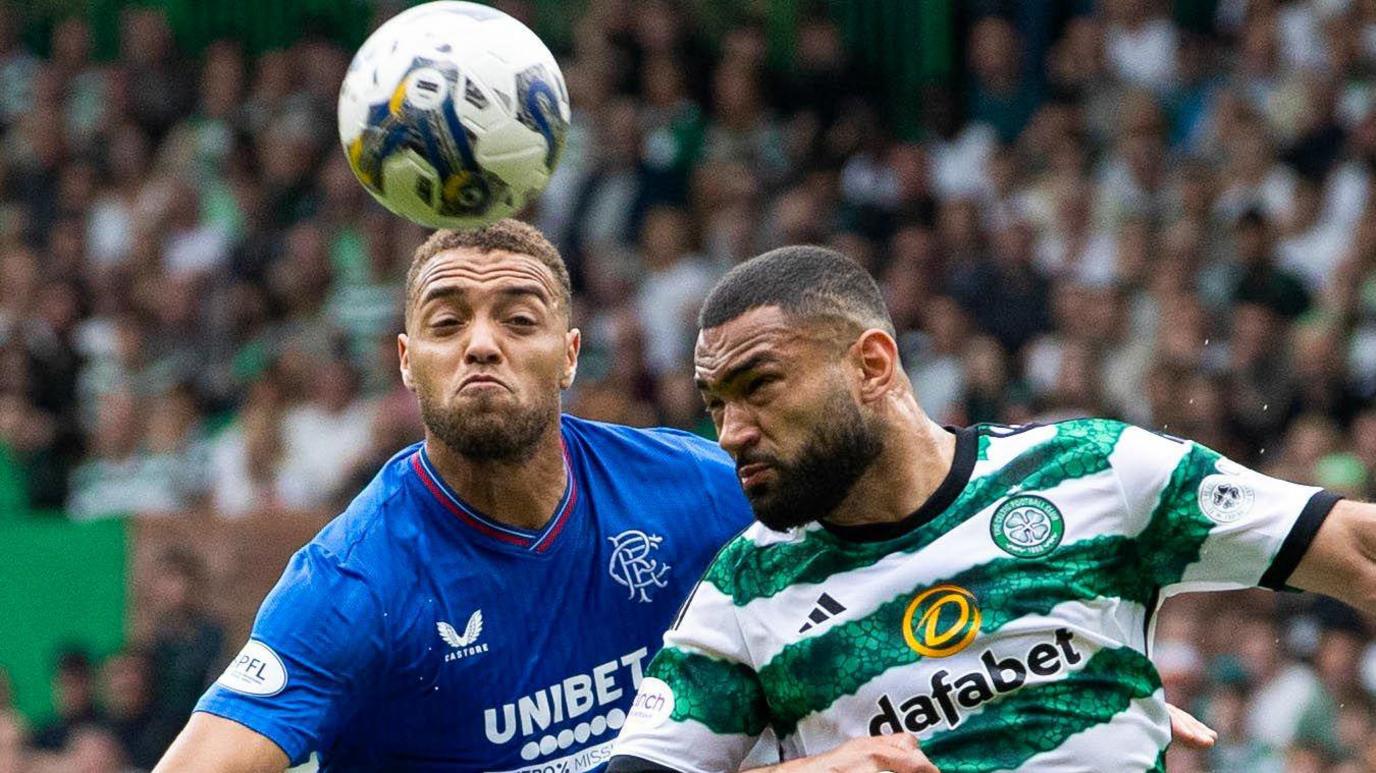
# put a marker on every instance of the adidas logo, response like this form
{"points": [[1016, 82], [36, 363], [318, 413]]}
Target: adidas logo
{"points": [[825, 609]]}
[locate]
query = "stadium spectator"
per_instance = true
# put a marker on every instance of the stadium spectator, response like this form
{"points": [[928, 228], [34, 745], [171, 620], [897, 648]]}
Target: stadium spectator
{"points": [[122, 476], [327, 414], [92, 749], [246, 456], [1000, 95], [13, 741], [185, 645], [676, 281], [1005, 291], [74, 700], [127, 695], [17, 68]]}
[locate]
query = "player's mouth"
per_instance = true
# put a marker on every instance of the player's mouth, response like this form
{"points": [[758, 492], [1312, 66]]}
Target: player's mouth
{"points": [[480, 381], [753, 474]]}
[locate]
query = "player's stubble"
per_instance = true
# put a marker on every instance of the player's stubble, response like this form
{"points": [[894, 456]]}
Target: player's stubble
{"points": [[839, 449], [482, 429]]}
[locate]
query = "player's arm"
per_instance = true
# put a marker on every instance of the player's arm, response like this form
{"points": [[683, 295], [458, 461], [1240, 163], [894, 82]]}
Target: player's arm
{"points": [[880, 754], [1341, 560], [701, 706], [695, 712], [317, 646], [1188, 731], [901, 753], [1201, 522], [211, 744]]}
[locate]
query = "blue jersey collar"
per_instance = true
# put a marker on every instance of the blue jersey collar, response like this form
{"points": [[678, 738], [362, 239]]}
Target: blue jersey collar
{"points": [[524, 539]]}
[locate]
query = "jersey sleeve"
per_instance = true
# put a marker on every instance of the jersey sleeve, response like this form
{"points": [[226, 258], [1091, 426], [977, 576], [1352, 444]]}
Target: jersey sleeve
{"points": [[315, 645], [1208, 523], [716, 484], [701, 706]]}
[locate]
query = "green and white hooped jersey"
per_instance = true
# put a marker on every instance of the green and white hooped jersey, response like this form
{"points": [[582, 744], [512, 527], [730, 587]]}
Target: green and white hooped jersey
{"points": [[1006, 623]]}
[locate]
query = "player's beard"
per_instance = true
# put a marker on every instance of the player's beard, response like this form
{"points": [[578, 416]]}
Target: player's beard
{"points": [[812, 485], [485, 433]]}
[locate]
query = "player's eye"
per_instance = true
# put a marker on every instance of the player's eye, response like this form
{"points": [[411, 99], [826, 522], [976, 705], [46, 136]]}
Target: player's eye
{"points": [[445, 323], [756, 387], [522, 320]]}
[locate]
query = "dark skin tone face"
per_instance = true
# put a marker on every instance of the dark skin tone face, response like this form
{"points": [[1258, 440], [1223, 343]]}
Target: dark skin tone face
{"points": [[748, 375], [780, 396], [487, 350]]}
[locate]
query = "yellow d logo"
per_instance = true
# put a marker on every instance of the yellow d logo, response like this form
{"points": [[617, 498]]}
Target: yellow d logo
{"points": [[941, 621]]}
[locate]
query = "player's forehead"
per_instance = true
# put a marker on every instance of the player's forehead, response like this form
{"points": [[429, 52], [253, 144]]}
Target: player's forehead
{"points": [[758, 337], [474, 271]]}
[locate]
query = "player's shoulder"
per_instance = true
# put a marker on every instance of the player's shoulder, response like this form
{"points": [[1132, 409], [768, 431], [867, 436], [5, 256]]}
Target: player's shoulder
{"points": [[759, 562], [1078, 446], [758, 548], [662, 447], [1080, 436], [757, 537], [680, 482], [1086, 427]]}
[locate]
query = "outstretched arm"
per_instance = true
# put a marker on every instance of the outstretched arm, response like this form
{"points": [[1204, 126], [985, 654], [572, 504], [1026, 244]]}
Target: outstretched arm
{"points": [[1341, 561], [1188, 731], [901, 753], [877, 754]]}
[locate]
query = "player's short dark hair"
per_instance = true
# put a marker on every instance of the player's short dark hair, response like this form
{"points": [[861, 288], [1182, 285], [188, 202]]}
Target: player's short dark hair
{"points": [[508, 235], [808, 283]]}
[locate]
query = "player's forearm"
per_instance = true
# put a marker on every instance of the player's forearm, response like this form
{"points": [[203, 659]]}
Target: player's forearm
{"points": [[211, 744], [802, 765], [623, 764], [1341, 561], [792, 766], [809, 765], [875, 754]]}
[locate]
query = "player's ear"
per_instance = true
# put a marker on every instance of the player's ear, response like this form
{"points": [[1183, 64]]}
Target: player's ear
{"points": [[573, 343], [876, 355], [405, 359]]}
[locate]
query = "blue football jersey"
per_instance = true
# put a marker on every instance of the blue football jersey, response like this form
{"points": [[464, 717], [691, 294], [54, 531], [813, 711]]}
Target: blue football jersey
{"points": [[415, 634]]}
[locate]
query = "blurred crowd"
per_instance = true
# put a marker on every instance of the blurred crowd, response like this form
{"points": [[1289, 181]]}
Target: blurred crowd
{"points": [[1107, 212], [120, 713]]}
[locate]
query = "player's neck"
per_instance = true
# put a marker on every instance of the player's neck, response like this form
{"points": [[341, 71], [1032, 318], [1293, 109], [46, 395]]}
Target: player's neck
{"points": [[522, 494], [918, 454]]}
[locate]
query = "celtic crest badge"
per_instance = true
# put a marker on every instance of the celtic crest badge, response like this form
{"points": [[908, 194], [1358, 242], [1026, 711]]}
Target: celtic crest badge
{"points": [[1027, 526]]}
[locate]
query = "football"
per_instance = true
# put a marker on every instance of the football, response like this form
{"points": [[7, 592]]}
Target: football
{"points": [[453, 114]]}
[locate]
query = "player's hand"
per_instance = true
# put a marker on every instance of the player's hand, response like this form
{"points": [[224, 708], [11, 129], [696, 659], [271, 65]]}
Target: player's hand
{"points": [[1189, 731], [875, 754]]}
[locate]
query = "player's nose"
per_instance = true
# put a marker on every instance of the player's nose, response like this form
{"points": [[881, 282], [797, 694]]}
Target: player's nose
{"points": [[738, 431], [482, 347]]}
